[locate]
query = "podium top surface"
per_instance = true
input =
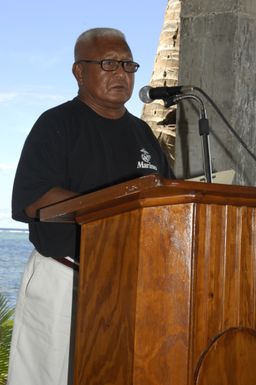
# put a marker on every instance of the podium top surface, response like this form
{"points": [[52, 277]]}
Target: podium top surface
{"points": [[146, 191]]}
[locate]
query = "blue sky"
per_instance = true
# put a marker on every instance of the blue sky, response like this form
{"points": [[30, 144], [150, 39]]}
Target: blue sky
{"points": [[37, 40]]}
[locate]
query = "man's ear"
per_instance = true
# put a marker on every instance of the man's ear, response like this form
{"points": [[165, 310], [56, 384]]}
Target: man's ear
{"points": [[77, 70]]}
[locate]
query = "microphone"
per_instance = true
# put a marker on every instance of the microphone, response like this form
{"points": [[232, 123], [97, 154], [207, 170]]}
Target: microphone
{"points": [[148, 94]]}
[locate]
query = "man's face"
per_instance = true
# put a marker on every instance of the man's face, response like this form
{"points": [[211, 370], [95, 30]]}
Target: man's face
{"points": [[104, 89]]}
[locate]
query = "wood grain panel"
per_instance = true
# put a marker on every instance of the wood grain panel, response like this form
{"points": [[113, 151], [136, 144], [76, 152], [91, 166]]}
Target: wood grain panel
{"points": [[230, 359], [224, 285], [107, 301], [163, 296], [134, 298]]}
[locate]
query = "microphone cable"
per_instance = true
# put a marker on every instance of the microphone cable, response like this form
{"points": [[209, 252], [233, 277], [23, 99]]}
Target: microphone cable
{"points": [[226, 121]]}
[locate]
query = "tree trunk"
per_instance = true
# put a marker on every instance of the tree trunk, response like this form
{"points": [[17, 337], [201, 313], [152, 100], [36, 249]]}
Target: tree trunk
{"points": [[165, 73]]}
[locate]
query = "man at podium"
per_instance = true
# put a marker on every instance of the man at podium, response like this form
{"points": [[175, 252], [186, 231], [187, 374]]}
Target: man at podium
{"points": [[81, 146]]}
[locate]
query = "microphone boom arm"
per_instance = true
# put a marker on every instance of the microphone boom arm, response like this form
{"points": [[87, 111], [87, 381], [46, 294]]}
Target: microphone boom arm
{"points": [[204, 130]]}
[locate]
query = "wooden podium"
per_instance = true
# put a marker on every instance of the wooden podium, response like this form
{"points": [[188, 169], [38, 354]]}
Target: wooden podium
{"points": [[167, 283]]}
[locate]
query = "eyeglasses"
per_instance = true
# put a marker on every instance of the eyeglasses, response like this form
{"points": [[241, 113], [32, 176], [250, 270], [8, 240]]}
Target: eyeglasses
{"points": [[112, 64]]}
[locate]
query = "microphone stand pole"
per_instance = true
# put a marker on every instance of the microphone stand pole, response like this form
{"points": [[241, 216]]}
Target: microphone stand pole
{"points": [[204, 130]]}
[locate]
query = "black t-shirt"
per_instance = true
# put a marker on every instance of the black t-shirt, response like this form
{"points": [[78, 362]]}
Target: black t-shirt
{"points": [[72, 147]]}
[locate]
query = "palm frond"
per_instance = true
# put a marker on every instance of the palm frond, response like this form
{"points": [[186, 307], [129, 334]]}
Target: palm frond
{"points": [[6, 325]]}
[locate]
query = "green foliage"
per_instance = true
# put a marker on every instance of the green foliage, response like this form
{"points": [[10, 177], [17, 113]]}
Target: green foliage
{"points": [[6, 325]]}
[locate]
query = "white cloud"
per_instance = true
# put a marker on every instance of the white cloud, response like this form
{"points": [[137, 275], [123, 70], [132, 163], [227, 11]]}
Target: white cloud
{"points": [[7, 96], [7, 166], [5, 213], [6, 220], [32, 97], [44, 96]]}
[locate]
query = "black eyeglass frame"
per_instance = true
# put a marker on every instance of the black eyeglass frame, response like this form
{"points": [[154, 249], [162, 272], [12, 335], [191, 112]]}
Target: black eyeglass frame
{"points": [[101, 62]]}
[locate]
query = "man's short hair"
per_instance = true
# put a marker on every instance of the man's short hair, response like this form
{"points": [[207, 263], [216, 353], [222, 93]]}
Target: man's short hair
{"points": [[95, 33]]}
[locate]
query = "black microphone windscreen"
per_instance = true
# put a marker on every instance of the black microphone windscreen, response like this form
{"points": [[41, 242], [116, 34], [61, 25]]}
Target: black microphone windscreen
{"points": [[144, 94], [148, 94]]}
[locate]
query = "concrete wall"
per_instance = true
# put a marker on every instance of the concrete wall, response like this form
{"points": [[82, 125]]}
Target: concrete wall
{"points": [[218, 54]]}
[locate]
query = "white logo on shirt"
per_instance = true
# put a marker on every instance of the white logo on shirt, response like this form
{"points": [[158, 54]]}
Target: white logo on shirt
{"points": [[145, 162]]}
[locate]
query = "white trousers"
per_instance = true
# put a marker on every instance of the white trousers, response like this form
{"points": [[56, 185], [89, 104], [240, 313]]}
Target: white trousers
{"points": [[42, 325]]}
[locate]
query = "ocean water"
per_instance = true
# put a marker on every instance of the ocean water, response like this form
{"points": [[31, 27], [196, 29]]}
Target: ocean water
{"points": [[15, 250]]}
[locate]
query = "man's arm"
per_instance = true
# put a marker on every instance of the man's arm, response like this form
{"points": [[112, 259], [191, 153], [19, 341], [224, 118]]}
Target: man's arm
{"points": [[56, 194]]}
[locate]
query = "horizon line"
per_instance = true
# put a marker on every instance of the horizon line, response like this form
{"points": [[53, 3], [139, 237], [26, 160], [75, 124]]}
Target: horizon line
{"points": [[13, 229]]}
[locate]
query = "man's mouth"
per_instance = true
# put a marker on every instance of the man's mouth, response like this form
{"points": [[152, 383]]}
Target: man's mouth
{"points": [[119, 86]]}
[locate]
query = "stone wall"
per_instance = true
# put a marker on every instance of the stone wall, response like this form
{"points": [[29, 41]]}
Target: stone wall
{"points": [[218, 54]]}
